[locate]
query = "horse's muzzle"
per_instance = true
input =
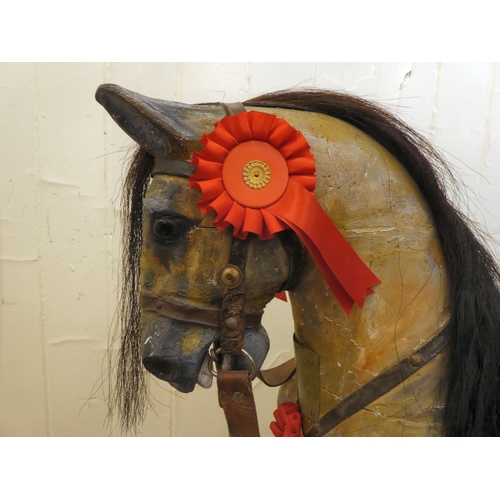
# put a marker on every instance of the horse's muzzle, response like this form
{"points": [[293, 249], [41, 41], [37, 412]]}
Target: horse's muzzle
{"points": [[174, 350]]}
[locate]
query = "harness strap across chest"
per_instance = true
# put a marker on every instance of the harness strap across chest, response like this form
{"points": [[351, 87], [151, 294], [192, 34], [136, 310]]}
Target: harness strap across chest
{"points": [[380, 385]]}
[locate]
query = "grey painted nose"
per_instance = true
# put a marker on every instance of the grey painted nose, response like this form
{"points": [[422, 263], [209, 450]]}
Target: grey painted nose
{"points": [[174, 350]]}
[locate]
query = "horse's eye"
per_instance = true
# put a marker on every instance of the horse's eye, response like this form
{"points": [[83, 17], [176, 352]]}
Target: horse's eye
{"points": [[163, 228]]}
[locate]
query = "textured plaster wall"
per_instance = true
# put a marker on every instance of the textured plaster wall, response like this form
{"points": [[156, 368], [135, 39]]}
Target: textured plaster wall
{"points": [[61, 161]]}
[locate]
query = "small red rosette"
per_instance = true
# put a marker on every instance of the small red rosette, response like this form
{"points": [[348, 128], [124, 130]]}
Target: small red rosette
{"points": [[288, 421], [257, 173]]}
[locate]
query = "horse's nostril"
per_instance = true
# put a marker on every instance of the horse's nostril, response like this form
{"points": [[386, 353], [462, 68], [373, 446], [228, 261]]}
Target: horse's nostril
{"points": [[160, 368]]}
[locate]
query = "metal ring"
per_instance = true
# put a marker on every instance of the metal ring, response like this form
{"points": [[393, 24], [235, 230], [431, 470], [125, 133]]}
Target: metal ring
{"points": [[213, 358]]}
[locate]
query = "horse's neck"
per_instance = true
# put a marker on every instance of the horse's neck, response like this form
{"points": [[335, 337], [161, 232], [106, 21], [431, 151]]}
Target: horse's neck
{"points": [[377, 207]]}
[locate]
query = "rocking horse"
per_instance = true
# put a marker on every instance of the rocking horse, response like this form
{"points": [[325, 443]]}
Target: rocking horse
{"points": [[330, 197]]}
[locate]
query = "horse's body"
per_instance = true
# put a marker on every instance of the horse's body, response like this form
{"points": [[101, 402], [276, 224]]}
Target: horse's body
{"points": [[433, 271]]}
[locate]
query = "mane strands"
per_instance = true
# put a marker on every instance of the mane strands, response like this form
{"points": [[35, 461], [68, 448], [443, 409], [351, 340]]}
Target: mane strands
{"points": [[130, 396]]}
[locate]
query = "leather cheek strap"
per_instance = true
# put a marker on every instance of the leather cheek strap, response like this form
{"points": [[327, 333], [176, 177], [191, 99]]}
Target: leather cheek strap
{"points": [[236, 399], [234, 386], [232, 318]]}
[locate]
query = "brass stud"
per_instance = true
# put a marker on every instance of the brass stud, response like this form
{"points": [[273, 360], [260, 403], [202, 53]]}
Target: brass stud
{"points": [[230, 276], [416, 360]]}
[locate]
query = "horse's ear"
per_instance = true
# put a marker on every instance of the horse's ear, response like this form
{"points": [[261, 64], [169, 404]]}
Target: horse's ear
{"points": [[160, 127]]}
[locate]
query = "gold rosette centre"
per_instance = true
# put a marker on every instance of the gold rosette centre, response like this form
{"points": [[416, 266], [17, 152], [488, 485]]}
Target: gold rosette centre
{"points": [[256, 174]]}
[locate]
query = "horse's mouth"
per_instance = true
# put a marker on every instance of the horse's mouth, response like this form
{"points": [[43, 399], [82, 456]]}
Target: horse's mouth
{"points": [[174, 350], [177, 351]]}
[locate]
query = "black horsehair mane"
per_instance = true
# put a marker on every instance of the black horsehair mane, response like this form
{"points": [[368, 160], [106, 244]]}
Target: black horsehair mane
{"points": [[472, 375]]}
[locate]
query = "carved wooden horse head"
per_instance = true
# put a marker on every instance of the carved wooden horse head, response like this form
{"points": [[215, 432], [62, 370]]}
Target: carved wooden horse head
{"points": [[324, 195]]}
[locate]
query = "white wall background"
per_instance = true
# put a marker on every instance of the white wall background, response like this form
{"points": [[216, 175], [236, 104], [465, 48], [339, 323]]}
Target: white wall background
{"points": [[61, 161]]}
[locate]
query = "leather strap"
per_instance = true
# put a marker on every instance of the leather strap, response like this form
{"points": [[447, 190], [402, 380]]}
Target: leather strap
{"points": [[182, 311], [233, 108], [278, 375], [232, 318], [380, 385], [295, 251], [235, 386], [179, 168], [237, 401]]}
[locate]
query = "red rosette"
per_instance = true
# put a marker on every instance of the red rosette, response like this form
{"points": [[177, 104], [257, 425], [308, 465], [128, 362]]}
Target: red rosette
{"points": [[257, 173], [236, 141], [288, 421]]}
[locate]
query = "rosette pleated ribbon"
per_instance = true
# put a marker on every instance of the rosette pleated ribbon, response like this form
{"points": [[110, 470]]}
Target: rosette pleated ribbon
{"points": [[258, 174], [288, 421]]}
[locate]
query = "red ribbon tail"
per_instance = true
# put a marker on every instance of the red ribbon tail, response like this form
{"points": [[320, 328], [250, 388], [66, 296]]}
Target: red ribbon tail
{"points": [[347, 276]]}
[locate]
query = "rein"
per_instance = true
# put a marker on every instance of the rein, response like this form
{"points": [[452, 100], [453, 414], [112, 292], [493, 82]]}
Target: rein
{"points": [[235, 386]]}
